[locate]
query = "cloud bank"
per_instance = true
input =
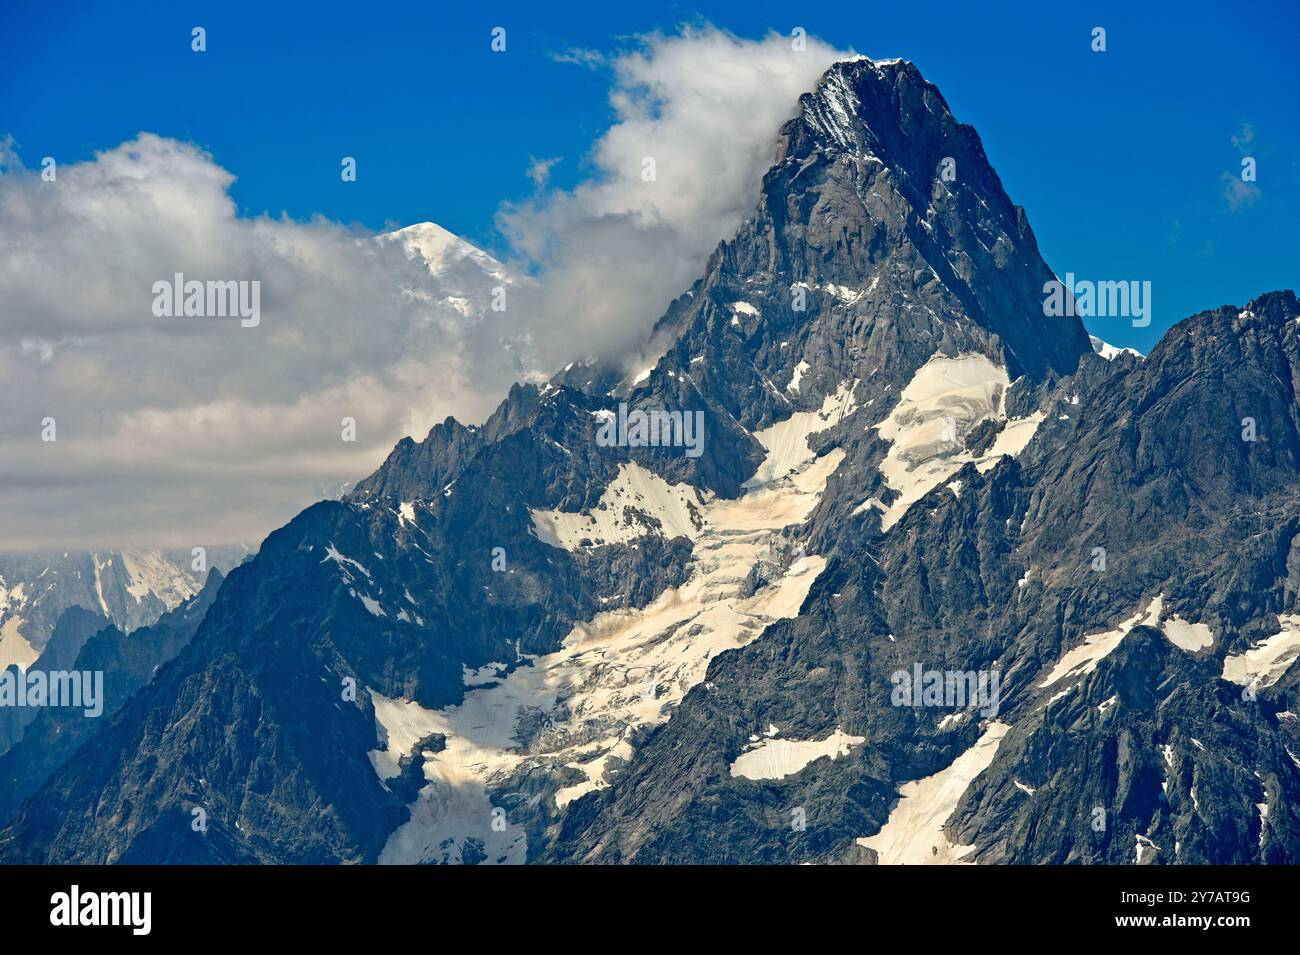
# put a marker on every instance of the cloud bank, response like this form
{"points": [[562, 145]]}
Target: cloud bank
{"points": [[610, 254], [186, 431], [182, 431]]}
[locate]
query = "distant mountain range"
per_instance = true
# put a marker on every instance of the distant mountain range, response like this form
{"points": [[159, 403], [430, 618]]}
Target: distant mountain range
{"points": [[129, 587], [948, 581]]}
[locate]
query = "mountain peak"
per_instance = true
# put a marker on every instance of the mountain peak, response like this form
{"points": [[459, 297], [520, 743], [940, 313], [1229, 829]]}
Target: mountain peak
{"points": [[876, 179], [1280, 304], [1108, 351], [442, 249], [834, 107]]}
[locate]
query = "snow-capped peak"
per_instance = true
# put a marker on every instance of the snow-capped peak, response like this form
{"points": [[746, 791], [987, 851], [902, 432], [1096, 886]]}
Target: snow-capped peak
{"points": [[1109, 351], [441, 249], [833, 108]]}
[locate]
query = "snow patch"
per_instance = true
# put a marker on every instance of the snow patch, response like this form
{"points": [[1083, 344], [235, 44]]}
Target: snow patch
{"points": [[797, 377], [875, 502], [941, 405], [332, 553], [779, 758], [843, 292], [1265, 662], [99, 583], [637, 502], [914, 834], [786, 441], [488, 673], [372, 605], [953, 719], [14, 648], [1084, 658], [1192, 637], [402, 723], [1143, 844]]}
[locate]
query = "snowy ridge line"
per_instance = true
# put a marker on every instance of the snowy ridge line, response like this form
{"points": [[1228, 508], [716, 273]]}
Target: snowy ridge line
{"points": [[614, 674]]}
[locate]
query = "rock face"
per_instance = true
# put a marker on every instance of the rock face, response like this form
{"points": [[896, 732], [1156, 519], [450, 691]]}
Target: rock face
{"points": [[74, 627], [1113, 731], [127, 663], [941, 584]]}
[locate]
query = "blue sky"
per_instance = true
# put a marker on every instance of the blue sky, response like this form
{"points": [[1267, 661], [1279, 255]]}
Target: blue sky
{"points": [[1119, 158]]}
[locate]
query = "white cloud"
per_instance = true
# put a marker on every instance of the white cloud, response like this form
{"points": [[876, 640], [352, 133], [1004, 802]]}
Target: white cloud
{"points": [[1244, 138], [613, 252], [539, 170], [176, 432], [173, 431], [1238, 194]]}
